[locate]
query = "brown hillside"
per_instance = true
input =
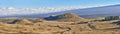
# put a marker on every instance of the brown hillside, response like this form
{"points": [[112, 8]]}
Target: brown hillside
{"points": [[70, 17]]}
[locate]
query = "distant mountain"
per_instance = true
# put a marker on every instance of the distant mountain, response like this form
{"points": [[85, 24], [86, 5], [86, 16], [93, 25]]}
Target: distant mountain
{"points": [[113, 10], [67, 17]]}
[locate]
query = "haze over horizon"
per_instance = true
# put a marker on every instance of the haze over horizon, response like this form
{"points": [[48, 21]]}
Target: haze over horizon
{"points": [[24, 7]]}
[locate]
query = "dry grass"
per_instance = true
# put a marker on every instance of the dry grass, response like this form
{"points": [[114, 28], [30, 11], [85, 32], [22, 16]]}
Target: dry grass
{"points": [[25, 26]]}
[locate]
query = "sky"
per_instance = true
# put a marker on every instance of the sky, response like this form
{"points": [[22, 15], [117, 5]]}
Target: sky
{"points": [[25, 7], [55, 3]]}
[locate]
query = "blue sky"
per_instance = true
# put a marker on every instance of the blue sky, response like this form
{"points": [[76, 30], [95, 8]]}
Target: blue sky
{"points": [[55, 3]]}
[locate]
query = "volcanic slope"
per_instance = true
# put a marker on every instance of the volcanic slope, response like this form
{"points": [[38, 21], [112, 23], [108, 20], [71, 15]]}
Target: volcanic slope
{"points": [[67, 17]]}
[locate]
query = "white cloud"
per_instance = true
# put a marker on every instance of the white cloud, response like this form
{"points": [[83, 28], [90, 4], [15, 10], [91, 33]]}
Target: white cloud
{"points": [[23, 11]]}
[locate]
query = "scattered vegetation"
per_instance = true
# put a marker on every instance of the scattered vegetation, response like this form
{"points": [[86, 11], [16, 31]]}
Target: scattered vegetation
{"points": [[66, 24], [112, 18]]}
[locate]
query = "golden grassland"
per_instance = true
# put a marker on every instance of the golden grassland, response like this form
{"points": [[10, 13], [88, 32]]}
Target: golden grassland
{"points": [[38, 26]]}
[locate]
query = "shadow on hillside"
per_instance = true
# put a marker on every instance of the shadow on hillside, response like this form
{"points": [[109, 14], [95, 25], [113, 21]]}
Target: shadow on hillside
{"points": [[13, 22], [118, 22]]}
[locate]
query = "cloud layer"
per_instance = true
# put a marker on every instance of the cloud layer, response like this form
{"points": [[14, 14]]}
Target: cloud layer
{"points": [[23, 11]]}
